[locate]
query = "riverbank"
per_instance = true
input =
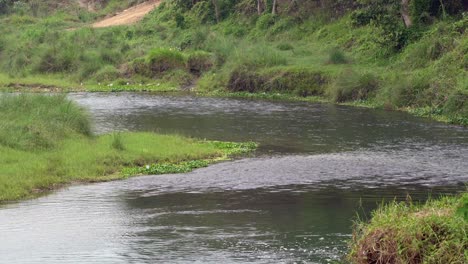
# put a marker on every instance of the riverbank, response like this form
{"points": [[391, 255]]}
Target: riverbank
{"points": [[435, 232], [46, 142], [51, 84], [344, 58]]}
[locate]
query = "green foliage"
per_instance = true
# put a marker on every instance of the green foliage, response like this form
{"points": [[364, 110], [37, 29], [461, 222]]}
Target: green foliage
{"points": [[200, 61], [299, 81], [46, 141], [406, 233], [166, 168], [407, 90], [336, 56], [352, 86], [228, 149], [457, 103], [420, 10], [40, 122], [117, 141], [462, 210], [386, 16], [163, 59], [107, 73], [285, 46], [301, 51], [242, 79], [259, 56], [265, 21]]}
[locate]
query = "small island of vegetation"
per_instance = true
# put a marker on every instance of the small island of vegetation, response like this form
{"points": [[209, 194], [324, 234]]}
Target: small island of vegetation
{"points": [[46, 141]]}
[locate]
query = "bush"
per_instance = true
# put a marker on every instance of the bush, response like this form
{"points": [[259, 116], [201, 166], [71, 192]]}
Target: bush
{"points": [[408, 91], [30, 122], [457, 103], [163, 59], [179, 77], [300, 81], [336, 56], [55, 59], [244, 80], [106, 74], [351, 86], [138, 66], [200, 61], [265, 21]]}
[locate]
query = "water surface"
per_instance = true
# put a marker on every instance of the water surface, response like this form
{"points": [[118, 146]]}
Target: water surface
{"points": [[293, 202]]}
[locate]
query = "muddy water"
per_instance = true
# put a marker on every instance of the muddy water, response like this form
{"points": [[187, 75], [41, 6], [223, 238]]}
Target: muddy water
{"points": [[293, 202]]}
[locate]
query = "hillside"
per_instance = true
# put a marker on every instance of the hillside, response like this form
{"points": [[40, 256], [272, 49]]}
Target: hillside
{"points": [[369, 53], [128, 16]]}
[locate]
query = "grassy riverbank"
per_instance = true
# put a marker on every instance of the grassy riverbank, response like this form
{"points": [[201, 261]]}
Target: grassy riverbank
{"points": [[436, 232], [340, 52], [47, 141]]}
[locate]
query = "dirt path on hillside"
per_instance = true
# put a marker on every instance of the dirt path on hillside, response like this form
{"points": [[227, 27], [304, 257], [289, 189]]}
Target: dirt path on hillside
{"points": [[129, 16]]}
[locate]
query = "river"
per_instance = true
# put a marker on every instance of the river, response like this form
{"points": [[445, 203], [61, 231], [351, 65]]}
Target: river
{"points": [[293, 201]]}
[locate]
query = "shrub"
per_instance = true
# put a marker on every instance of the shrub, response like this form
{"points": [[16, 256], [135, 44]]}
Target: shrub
{"points": [[106, 74], [137, 66], [407, 91], [265, 21], [457, 103], [351, 86], [56, 59], [242, 79], [163, 59], [200, 61], [178, 77], [300, 81], [336, 56]]}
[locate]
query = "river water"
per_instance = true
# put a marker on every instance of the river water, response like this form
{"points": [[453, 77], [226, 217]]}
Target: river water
{"points": [[318, 165]]}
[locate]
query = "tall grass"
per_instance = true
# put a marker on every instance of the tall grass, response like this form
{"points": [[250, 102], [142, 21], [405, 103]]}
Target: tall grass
{"points": [[435, 232], [247, 51], [39, 122]]}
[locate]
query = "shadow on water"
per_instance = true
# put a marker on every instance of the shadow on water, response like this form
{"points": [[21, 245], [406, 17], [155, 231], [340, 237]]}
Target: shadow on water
{"points": [[318, 165]]}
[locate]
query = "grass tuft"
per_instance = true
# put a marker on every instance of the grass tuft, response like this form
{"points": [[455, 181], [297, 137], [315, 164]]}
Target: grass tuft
{"points": [[435, 232]]}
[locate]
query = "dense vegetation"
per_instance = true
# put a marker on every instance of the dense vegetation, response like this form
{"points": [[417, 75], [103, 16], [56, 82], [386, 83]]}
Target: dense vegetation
{"points": [[47, 141], [435, 232], [381, 53]]}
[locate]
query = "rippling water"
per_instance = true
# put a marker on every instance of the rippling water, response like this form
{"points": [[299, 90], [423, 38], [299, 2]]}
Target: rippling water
{"points": [[294, 202]]}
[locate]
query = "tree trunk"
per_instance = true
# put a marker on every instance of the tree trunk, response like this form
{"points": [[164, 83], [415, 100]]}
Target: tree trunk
{"points": [[216, 7], [259, 7], [405, 13], [273, 9]]}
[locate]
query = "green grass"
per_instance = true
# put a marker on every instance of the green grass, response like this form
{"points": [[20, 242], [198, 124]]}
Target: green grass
{"points": [[266, 54], [46, 142], [435, 232]]}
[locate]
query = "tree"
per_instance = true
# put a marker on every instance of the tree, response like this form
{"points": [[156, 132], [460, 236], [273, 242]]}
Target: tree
{"points": [[405, 13], [5, 5], [216, 9], [260, 6]]}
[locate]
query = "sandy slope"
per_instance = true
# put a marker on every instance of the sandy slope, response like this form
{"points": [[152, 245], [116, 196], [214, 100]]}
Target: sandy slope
{"points": [[129, 16]]}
